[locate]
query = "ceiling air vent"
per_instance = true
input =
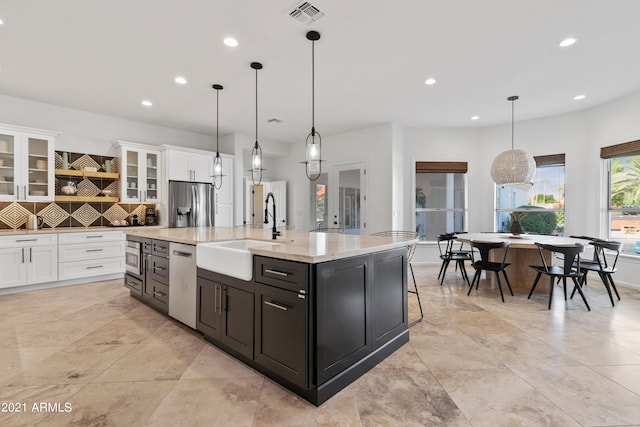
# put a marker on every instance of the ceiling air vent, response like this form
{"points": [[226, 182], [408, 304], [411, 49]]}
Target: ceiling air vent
{"points": [[306, 13]]}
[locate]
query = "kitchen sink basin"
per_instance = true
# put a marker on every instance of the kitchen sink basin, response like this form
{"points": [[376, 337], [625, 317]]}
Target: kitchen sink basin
{"points": [[231, 257]]}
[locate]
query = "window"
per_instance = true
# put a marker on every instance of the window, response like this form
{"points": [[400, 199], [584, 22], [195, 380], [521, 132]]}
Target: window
{"points": [[623, 166], [441, 205], [540, 208]]}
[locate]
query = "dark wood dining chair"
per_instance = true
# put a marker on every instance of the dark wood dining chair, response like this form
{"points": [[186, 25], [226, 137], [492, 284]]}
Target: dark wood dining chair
{"points": [[484, 264], [570, 269], [606, 255]]}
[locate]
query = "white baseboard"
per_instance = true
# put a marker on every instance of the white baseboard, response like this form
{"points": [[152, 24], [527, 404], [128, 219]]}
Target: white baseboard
{"points": [[59, 284]]}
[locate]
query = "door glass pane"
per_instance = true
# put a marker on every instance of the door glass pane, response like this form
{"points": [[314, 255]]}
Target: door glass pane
{"points": [[320, 203], [152, 176], [132, 174], [7, 161], [38, 167], [349, 200]]}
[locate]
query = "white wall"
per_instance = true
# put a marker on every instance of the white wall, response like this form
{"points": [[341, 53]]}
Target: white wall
{"points": [[84, 132]]}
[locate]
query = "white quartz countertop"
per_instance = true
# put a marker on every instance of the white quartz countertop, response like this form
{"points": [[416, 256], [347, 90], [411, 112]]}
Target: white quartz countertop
{"points": [[295, 246]]}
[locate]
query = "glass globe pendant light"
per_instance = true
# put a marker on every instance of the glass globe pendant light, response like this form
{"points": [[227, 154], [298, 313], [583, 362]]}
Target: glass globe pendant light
{"points": [[513, 167], [256, 153], [217, 161], [313, 144]]}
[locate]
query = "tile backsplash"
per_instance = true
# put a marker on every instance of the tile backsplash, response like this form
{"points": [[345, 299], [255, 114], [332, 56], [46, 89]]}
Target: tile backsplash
{"points": [[57, 215]]}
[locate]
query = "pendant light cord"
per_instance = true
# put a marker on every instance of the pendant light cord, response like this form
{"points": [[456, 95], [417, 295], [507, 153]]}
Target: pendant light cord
{"points": [[313, 88], [217, 120], [513, 101], [256, 105]]}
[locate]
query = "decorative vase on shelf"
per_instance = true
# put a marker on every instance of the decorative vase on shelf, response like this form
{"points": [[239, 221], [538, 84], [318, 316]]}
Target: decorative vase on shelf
{"points": [[65, 160], [516, 227], [70, 189]]}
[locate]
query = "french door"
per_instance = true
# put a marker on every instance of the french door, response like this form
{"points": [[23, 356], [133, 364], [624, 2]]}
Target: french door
{"points": [[338, 199]]}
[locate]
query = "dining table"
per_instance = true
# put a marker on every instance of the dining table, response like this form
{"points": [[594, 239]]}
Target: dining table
{"points": [[522, 252]]}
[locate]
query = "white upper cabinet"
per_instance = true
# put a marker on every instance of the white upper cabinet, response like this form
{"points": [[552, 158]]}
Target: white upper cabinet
{"points": [[140, 173], [189, 165], [26, 164]]}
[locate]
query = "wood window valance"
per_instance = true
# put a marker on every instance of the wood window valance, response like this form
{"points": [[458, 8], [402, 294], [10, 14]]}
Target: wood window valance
{"points": [[618, 150], [441, 167], [549, 160]]}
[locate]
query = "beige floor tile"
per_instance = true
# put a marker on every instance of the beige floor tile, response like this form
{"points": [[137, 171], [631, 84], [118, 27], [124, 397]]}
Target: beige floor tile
{"points": [[71, 365], [16, 359], [214, 363], [405, 359], [452, 352], [111, 404], [209, 402], [627, 376], [498, 397], [523, 350], [153, 360], [278, 407], [45, 333], [587, 396], [405, 398], [122, 331]]}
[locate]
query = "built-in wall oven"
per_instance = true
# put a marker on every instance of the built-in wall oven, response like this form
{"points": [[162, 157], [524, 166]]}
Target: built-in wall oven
{"points": [[133, 258]]}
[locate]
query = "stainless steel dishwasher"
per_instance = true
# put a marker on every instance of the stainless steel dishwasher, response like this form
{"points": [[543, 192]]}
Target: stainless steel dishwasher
{"points": [[182, 283]]}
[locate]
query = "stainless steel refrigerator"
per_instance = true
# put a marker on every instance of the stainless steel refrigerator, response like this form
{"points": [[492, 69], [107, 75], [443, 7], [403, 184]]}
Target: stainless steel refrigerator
{"points": [[190, 204]]}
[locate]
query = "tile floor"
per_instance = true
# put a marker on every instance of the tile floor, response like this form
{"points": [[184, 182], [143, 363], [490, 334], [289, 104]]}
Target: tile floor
{"points": [[472, 361]]}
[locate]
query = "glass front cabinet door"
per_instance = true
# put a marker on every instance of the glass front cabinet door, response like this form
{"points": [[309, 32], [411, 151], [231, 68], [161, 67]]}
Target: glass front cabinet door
{"points": [[26, 164], [140, 173]]}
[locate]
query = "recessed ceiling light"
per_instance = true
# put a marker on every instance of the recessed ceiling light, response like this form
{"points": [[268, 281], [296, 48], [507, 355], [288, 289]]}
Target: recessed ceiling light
{"points": [[180, 80], [430, 81], [475, 117], [147, 103], [230, 41], [579, 97], [1, 22], [568, 42]]}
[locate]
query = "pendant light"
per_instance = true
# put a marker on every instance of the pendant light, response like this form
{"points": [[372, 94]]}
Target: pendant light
{"points": [[217, 161], [513, 167], [256, 153], [313, 144]]}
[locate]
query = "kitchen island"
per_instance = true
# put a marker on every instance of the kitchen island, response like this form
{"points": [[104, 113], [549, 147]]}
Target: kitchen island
{"points": [[320, 310]]}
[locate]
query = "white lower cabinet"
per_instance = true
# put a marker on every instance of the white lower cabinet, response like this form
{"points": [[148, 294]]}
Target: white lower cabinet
{"points": [[28, 259], [89, 254]]}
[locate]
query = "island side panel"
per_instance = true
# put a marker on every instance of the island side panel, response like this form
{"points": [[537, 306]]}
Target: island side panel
{"points": [[389, 295], [343, 301]]}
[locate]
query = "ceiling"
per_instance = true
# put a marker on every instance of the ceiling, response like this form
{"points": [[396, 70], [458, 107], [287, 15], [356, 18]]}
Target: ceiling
{"points": [[371, 62]]}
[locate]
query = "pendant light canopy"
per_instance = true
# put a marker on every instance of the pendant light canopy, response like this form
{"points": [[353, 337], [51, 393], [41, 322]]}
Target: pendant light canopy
{"points": [[313, 145], [256, 153], [513, 167], [217, 161]]}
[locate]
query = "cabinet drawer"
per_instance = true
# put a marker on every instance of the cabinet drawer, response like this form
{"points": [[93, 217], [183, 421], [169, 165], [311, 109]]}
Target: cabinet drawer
{"points": [[25, 240], [160, 295], [134, 284], [90, 251], [90, 237], [90, 268], [160, 248], [289, 275], [159, 269]]}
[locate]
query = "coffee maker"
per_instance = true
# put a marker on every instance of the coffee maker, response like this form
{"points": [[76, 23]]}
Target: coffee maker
{"points": [[150, 217]]}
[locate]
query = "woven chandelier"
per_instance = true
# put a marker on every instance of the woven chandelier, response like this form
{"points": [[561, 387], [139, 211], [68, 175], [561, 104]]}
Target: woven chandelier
{"points": [[513, 167]]}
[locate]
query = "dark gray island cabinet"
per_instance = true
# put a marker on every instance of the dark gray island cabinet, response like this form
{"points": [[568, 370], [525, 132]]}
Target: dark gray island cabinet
{"points": [[312, 327]]}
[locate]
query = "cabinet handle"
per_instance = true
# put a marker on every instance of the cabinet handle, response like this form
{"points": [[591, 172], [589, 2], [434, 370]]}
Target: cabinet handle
{"points": [[26, 240], [23, 255], [184, 254], [277, 273], [95, 250], [159, 268], [159, 294], [24, 191], [218, 289], [223, 297], [278, 306], [17, 192], [30, 255], [94, 237], [94, 267]]}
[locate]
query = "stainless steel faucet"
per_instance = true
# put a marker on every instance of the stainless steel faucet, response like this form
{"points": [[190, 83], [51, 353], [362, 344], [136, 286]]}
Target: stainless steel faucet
{"points": [[274, 232]]}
